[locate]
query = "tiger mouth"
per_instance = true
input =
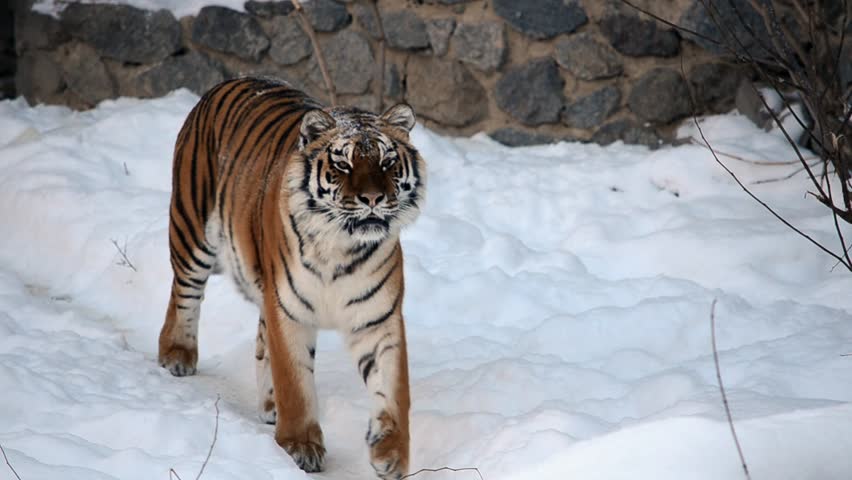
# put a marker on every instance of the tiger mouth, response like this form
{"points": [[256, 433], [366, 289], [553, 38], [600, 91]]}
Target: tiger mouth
{"points": [[372, 222]]}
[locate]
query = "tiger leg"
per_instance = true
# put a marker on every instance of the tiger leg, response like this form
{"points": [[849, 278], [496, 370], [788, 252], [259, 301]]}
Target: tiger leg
{"points": [[265, 390], [290, 346], [178, 345], [382, 361]]}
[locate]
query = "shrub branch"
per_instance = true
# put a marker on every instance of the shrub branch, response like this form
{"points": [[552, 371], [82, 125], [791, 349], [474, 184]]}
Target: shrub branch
{"points": [[722, 389], [323, 66], [9, 464]]}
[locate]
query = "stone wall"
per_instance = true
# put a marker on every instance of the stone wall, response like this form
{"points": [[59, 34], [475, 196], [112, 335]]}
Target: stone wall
{"points": [[7, 51], [526, 72]]}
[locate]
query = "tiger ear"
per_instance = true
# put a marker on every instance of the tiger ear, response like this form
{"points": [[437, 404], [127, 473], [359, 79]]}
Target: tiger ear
{"points": [[401, 116], [314, 124]]}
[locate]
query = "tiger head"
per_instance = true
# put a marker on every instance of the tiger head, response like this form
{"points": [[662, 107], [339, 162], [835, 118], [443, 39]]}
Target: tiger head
{"points": [[356, 174]]}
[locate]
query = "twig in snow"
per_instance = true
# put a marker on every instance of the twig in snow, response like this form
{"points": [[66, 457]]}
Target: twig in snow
{"points": [[125, 262], [442, 469], [698, 142], [722, 389], [785, 177], [9, 464], [213, 443], [126, 171], [173, 473], [306, 26]]}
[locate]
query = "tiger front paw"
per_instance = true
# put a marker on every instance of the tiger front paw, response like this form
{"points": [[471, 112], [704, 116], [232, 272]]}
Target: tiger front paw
{"points": [[388, 445], [179, 360], [307, 450]]}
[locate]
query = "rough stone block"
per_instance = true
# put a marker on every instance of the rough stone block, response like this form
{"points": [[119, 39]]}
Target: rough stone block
{"points": [[531, 93]]}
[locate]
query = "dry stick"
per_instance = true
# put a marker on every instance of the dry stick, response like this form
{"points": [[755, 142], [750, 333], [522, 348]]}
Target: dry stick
{"points": [[172, 471], [745, 189], [125, 262], [442, 469], [213, 443], [9, 464], [780, 179], [722, 389], [380, 75], [696, 141], [306, 26]]}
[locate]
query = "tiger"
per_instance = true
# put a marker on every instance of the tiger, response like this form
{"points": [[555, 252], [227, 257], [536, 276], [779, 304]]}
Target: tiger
{"points": [[303, 206]]}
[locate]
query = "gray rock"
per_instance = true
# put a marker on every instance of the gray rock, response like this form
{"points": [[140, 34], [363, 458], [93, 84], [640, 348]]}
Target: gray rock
{"points": [[512, 137], [123, 33], [531, 93], [637, 37], [194, 71], [587, 58], [38, 77], [542, 19], [34, 30], [660, 96], [85, 74], [229, 31], [7, 87], [845, 70], [734, 15], [482, 45], [393, 82], [628, 132], [269, 9], [714, 86], [327, 15], [405, 30], [7, 24], [288, 42], [367, 19], [444, 91], [593, 109], [750, 104], [350, 62], [439, 31], [7, 64]]}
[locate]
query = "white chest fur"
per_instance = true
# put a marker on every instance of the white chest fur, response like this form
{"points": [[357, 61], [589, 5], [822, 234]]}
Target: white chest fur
{"points": [[337, 289]]}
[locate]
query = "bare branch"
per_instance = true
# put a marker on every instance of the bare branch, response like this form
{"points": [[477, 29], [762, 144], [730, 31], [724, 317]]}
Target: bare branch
{"points": [[722, 389], [380, 74], [746, 189], [173, 473], [9, 464], [213, 443], [780, 179], [443, 469], [306, 26], [125, 262], [698, 142]]}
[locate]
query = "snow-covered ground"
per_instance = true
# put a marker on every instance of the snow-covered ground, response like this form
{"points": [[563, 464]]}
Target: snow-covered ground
{"points": [[179, 8], [558, 302]]}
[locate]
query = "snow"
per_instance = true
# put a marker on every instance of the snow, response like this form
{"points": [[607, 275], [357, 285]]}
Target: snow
{"points": [[179, 8], [557, 311]]}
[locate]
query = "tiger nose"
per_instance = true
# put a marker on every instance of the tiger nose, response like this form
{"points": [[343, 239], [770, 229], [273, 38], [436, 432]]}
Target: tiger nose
{"points": [[371, 199]]}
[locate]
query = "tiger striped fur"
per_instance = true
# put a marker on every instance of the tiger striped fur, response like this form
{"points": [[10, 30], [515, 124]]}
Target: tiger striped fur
{"points": [[303, 207]]}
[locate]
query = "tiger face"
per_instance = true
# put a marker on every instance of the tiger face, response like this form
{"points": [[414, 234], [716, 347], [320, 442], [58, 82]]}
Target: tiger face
{"points": [[356, 174]]}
